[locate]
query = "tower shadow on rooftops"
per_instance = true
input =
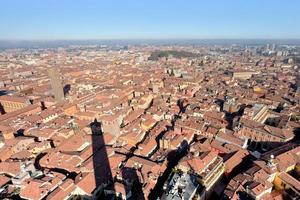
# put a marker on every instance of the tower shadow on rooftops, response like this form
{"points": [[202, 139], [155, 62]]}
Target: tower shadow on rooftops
{"points": [[102, 172], [67, 89], [173, 157], [4, 92], [133, 183], [2, 111]]}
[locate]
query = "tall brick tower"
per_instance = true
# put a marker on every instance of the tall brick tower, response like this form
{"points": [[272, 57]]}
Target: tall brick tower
{"points": [[56, 84]]}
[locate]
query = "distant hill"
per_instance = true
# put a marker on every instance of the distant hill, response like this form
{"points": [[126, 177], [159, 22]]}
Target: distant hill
{"points": [[177, 54]]}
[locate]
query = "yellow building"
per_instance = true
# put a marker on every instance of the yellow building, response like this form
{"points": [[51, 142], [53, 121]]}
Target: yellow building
{"points": [[284, 181], [11, 103], [145, 102], [147, 124], [37, 148]]}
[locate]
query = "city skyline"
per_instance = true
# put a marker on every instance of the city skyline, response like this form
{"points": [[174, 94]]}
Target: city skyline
{"points": [[81, 20], [149, 100]]}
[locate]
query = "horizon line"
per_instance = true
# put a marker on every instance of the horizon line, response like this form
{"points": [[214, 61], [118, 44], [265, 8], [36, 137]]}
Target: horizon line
{"points": [[116, 39]]}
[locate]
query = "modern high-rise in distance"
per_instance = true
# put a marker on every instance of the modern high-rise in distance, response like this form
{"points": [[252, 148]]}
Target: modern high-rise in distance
{"points": [[56, 84]]}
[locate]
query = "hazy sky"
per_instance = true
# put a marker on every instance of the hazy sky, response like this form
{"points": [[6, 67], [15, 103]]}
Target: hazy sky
{"points": [[149, 19]]}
